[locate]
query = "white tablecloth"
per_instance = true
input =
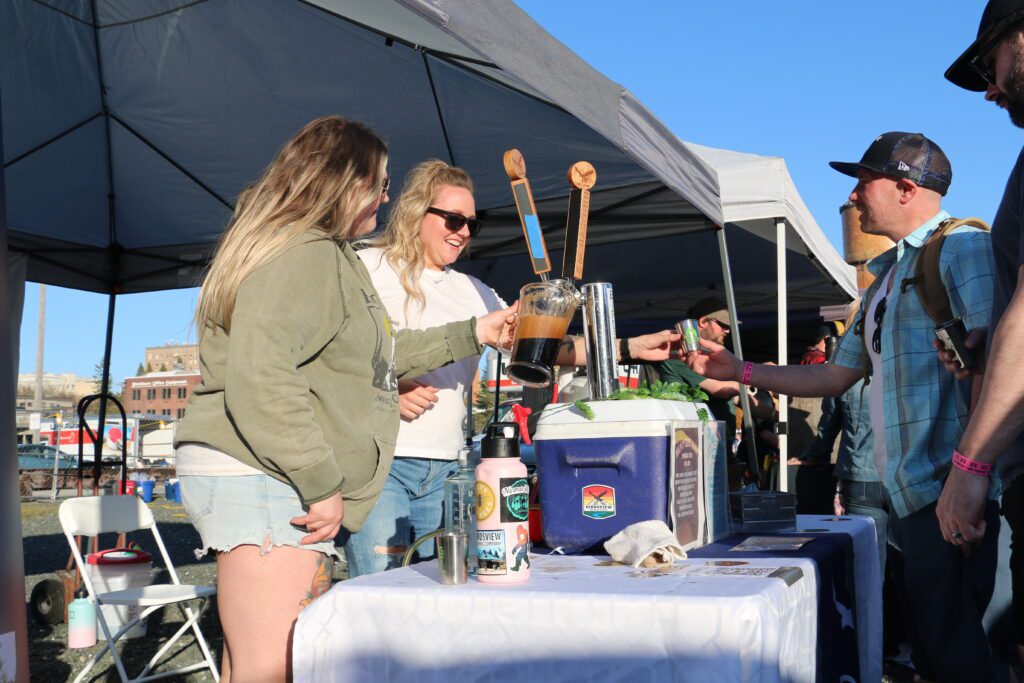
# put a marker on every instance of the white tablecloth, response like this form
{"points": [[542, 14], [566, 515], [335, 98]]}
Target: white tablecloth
{"points": [[576, 619]]}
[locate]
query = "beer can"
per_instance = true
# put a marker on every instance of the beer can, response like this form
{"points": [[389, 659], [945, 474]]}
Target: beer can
{"points": [[691, 334]]}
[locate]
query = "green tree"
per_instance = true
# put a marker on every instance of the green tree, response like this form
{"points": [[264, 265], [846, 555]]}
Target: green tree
{"points": [[97, 383], [483, 407], [141, 370]]}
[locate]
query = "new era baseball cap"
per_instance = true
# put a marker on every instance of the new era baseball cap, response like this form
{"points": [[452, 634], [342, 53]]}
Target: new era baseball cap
{"points": [[999, 15], [904, 155]]}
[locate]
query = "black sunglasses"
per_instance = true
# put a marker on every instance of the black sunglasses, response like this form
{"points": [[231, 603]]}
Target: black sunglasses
{"points": [[876, 338], [987, 72], [454, 221]]}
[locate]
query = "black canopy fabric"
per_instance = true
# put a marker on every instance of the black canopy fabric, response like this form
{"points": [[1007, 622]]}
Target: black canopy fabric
{"points": [[130, 126]]}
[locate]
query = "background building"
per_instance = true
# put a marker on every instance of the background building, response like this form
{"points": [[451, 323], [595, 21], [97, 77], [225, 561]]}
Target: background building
{"points": [[172, 356], [159, 393], [64, 385]]}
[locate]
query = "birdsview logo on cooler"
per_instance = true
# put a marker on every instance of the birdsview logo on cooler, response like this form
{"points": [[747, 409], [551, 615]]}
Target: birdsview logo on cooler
{"points": [[598, 501]]}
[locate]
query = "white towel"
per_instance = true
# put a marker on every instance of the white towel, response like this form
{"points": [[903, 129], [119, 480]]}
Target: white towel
{"points": [[649, 543]]}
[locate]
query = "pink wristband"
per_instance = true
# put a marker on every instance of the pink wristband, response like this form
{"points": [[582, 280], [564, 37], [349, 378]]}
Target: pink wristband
{"points": [[969, 465], [748, 368]]}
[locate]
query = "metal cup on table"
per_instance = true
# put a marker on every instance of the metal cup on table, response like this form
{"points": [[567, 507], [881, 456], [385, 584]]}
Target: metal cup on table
{"points": [[453, 558], [691, 334]]}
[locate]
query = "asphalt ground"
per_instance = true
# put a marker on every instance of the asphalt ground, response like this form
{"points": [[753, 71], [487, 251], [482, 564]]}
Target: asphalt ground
{"points": [[46, 550]]}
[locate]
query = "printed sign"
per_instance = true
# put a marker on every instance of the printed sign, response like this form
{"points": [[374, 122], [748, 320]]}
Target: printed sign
{"points": [[686, 486], [515, 499], [490, 548], [598, 501]]}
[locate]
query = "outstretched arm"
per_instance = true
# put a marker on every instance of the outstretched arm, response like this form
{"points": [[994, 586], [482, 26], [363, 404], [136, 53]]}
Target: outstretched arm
{"points": [[656, 346], [793, 380]]}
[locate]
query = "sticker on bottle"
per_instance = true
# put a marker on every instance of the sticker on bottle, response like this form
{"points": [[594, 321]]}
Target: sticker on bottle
{"points": [[490, 550], [519, 555], [484, 501], [514, 499]]}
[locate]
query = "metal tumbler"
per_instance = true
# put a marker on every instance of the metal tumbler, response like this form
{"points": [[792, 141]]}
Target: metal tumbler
{"points": [[453, 558], [691, 334]]}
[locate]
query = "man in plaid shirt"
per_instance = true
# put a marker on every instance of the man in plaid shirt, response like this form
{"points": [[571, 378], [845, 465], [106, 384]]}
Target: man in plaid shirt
{"points": [[918, 410]]}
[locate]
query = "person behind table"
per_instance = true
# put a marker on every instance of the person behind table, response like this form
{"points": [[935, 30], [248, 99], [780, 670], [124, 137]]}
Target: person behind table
{"points": [[917, 413], [715, 324], [432, 224], [290, 432], [994, 64]]}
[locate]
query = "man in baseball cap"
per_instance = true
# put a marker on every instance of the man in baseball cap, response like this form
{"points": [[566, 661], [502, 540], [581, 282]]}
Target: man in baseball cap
{"points": [[916, 414], [910, 156], [993, 443]]}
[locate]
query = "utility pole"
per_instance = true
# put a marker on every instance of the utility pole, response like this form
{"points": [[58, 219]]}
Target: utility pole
{"points": [[39, 351]]}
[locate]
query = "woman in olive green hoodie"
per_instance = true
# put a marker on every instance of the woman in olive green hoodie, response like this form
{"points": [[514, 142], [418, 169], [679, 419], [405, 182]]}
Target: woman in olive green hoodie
{"points": [[291, 432]]}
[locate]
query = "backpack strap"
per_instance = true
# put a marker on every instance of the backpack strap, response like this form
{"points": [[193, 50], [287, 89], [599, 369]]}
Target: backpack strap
{"points": [[927, 280]]}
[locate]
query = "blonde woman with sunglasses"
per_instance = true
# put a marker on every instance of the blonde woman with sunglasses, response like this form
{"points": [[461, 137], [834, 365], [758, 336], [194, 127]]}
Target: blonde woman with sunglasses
{"points": [[290, 434], [431, 225]]}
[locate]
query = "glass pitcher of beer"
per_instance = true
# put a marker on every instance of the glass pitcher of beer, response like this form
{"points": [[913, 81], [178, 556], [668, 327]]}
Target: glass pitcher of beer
{"points": [[545, 310]]}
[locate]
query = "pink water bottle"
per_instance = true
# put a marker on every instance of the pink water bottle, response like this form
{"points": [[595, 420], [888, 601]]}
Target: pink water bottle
{"points": [[81, 621], [502, 508]]}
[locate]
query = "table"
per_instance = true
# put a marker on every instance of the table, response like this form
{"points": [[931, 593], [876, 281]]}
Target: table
{"points": [[581, 618]]}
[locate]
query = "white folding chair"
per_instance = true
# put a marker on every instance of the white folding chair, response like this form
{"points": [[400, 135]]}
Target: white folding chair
{"points": [[94, 515]]}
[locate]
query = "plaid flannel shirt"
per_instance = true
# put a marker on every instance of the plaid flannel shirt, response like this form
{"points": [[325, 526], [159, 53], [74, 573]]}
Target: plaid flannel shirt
{"points": [[925, 406]]}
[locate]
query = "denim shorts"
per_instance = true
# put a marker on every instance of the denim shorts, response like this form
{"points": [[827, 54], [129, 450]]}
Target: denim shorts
{"points": [[229, 511]]}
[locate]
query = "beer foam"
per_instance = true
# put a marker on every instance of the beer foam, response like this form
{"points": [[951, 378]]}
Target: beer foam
{"points": [[541, 326]]}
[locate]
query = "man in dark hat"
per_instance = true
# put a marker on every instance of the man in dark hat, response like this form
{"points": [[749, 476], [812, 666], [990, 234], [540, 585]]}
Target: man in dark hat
{"points": [[916, 414], [713, 323], [994, 64]]}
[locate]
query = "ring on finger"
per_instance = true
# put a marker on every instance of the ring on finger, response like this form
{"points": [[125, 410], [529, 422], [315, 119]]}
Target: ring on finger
{"points": [[957, 535]]}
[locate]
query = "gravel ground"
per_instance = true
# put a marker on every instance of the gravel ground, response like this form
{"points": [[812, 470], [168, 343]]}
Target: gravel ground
{"points": [[46, 550]]}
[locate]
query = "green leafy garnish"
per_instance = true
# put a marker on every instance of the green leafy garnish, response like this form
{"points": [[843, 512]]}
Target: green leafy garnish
{"points": [[702, 414], [665, 391], [581, 405]]}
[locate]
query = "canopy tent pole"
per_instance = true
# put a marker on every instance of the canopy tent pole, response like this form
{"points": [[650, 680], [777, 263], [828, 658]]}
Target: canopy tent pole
{"points": [[104, 388], [780, 257], [12, 567], [737, 346]]}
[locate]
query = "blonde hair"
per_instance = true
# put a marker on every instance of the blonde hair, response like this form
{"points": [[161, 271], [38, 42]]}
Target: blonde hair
{"points": [[324, 178], [400, 240]]}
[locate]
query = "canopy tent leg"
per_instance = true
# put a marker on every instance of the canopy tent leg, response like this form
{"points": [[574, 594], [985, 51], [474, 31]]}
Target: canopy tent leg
{"points": [[780, 254], [737, 345], [12, 568], [104, 388]]}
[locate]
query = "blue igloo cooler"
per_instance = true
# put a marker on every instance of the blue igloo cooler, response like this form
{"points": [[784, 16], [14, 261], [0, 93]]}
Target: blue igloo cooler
{"points": [[598, 476]]}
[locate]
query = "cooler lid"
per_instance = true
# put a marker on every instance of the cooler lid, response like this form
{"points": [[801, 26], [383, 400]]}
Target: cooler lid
{"points": [[119, 556], [636, 410], [635, 418]]}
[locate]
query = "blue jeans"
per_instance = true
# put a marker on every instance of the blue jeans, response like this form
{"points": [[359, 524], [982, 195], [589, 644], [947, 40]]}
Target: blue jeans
{"points": [[411, 505], [870, 499]]}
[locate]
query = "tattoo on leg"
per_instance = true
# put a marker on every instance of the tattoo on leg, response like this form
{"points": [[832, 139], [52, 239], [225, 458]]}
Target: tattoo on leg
{"points": [[321, 580]]}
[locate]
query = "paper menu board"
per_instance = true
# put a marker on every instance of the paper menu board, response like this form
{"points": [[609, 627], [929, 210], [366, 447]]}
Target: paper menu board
{"points": [[698, 486], [685, 474]]}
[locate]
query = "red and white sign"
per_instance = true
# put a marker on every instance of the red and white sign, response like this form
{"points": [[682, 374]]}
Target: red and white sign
{"points": [[113, 438]]}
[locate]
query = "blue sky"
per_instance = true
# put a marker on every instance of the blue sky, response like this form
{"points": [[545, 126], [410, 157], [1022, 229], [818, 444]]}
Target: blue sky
{"points": [[806, 80]]}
